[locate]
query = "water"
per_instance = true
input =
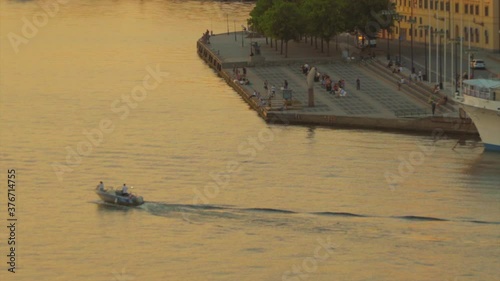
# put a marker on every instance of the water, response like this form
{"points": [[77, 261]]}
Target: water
{"points": [[228, 196]]}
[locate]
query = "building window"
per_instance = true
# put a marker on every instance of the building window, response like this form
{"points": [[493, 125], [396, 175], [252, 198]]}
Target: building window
{"points": [[447, 6], [486, 11], [441, 5], [436, 4], [425, 4], [477, 10], [457, 8], [466, 34], [477, 35], [420, 33], [466, 9], [486, 37], [432, 4], [420, 4], [420, 21], [471, 33]]}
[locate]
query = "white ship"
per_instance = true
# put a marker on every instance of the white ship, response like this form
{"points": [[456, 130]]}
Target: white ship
{"points": [[481, 101]]}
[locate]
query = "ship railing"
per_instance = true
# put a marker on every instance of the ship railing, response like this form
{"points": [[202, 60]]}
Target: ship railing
{"points": [[482, 94]]}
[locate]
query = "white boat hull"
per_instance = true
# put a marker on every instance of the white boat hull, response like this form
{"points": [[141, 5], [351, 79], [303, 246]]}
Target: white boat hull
{"points": [[486, 116]]}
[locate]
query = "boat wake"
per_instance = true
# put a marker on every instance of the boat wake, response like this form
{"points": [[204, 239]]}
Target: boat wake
{"points": [[202, 213]]}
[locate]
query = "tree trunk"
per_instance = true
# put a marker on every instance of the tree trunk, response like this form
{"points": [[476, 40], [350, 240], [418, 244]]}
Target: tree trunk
{"points": [[322, 45], [267, 43], [271, 42], [328, 47], [286, 49], [306, 39], [281, 47], [311, 40], [276, 44], [316, 42]]}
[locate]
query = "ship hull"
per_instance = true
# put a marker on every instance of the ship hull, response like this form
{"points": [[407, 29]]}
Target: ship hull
{"points": [[486, 116]]}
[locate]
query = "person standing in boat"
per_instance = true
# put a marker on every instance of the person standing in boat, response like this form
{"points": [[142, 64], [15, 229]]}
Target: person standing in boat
{"points": [[125, 190], [100, 187]]}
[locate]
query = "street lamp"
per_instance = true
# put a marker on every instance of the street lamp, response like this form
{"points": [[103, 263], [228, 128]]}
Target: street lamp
{"points": [[412, 21], [457, 76], [426, 28], [390, 15], [388, 45], [398, 18], [242, 33], [440, 33], [470, 54]]}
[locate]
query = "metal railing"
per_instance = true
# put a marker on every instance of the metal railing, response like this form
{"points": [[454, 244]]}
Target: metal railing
{"points": [[412, 112]]}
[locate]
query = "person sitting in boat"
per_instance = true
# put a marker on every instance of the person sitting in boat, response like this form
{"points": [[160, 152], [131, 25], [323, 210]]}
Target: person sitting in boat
{"points": [[100, 187], [125, 190]]}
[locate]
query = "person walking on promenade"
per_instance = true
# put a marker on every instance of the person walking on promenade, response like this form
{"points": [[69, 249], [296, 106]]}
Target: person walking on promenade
{"points": [[420, 75], [358, 84], [265, 85], [285, 84]]}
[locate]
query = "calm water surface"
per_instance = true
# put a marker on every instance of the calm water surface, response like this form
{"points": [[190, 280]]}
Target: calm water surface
{"points": [[229, 197]]}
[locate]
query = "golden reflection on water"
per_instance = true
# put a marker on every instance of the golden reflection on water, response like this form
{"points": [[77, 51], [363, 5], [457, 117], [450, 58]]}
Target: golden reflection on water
{"points": [[185, 132]]}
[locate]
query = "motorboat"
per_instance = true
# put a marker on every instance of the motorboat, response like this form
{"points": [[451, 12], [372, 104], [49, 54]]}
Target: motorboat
{"points": [[113, 196]]}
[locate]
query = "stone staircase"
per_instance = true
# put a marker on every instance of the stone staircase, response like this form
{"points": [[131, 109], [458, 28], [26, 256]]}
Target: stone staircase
{"points": [[419, 91]]}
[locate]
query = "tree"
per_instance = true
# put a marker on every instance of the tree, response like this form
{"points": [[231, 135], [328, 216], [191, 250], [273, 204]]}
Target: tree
{"points": [[257, 14], [283, 21], [324, 18], [364, 16]]}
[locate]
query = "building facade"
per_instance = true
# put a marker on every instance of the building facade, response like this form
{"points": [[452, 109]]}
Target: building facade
{"points": [[477, 22]]}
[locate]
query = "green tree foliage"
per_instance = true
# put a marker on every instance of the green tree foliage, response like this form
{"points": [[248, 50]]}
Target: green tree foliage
{"points": [[364, 15], [324, 18], [257, 14], [283, 21], [289, 19]]}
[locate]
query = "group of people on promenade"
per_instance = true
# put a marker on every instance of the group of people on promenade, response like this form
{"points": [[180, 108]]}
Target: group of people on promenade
{"points": [[332, 87], [240, 77], [336, 88], [266, 100]]}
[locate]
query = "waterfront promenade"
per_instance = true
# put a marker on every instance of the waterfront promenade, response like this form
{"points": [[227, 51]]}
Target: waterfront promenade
{"points": [[378, 104]]}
